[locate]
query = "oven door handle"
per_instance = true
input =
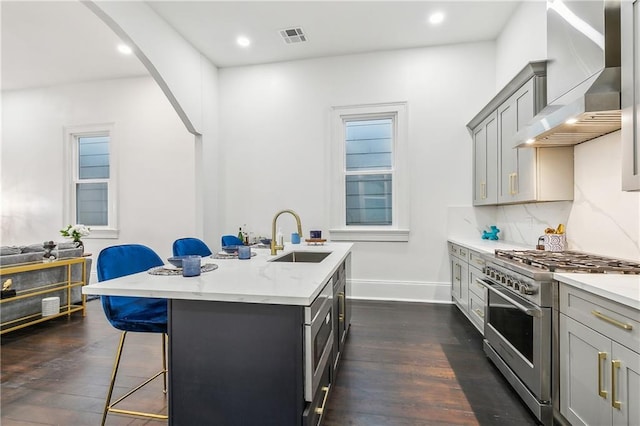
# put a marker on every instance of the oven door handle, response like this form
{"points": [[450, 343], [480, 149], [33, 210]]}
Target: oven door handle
{"points": [[532, 312]]}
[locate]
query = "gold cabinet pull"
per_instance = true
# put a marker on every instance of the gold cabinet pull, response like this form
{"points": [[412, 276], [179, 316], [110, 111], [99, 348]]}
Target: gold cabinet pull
{"points": [[480, 313], [610, 320], [614, 365], [514, 183], [320, 409], [341, 297], [602, 357]]}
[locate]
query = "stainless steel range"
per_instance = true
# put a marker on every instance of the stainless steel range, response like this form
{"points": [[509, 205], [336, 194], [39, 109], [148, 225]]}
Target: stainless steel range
{"points": [[521, 315]]}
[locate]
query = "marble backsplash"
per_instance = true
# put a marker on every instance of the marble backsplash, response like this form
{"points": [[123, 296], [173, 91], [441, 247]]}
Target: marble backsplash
{"points": [[602, 219], [522, 223]]}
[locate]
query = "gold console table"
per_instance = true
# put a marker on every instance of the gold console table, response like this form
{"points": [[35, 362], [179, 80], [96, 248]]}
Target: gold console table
{"points": [[40, 291]]}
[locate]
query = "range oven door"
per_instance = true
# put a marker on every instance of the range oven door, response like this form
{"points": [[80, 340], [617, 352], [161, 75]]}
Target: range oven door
{"points": [[318, 340], [520, 333]]}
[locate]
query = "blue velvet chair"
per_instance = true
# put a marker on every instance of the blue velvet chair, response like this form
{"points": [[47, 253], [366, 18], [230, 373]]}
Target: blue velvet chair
{"points": [[187, 246], [138, 314], [231, 240]]}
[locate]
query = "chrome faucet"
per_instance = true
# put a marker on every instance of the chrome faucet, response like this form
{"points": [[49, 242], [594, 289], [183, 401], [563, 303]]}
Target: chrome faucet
{"points": [[274, 245]]}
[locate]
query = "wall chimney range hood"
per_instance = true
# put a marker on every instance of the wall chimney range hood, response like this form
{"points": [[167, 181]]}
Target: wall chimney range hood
{"points": [[583, 75]]}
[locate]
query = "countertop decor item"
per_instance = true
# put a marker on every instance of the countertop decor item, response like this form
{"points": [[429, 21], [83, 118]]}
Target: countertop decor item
{"points": [[163, 270], [230, 249], [492, 234], [177, 260]]}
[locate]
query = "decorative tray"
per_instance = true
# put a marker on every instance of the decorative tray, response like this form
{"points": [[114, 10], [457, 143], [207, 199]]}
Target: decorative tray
{"points": [[225, 255], [315, 241], [163, 270]]}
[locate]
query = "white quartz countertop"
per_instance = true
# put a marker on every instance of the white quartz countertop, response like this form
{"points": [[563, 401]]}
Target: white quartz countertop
{"points": [[621, 288], [488, 246], [256, 280]]}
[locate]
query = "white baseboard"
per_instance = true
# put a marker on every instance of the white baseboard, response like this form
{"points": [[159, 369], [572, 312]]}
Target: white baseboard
{"points": [[401, 291]]}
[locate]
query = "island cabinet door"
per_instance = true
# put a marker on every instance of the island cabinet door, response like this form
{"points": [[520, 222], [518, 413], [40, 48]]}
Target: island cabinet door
{"points": [[235, 364]]}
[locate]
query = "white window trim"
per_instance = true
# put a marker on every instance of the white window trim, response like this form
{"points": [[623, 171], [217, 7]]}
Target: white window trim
{"points": [[70, 162], [399, 229]]}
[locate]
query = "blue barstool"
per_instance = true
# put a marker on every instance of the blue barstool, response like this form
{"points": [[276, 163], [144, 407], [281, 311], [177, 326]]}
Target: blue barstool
{"points": [[138, 314], [187, 246], [231, 240]]}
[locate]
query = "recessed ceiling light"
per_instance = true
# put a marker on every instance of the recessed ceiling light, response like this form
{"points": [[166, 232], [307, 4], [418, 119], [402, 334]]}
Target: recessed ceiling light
{"points": [[124, 49], [530, 141], [571, 121], [436, 18], [243, 41]]}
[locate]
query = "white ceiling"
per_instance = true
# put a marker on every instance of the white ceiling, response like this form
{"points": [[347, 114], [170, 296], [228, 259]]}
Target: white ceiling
{"points": [[56, 42]]}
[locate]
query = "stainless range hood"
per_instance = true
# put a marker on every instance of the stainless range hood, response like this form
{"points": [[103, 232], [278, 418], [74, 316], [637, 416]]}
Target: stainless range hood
{"points": [[583, 75]]}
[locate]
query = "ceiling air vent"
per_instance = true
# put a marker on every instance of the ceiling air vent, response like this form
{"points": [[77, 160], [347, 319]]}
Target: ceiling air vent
{"points": [[293, 35]]}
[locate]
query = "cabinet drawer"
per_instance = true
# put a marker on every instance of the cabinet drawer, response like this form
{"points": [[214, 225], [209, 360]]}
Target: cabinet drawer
{"points": [[611, 319], [476, 311], [458, 251], [476, 260], [474, 287], [312, 415]]}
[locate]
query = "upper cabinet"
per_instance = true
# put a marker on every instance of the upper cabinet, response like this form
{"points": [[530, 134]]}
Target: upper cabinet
{"points": [[485, 152], [630, 56], [504, 174]]}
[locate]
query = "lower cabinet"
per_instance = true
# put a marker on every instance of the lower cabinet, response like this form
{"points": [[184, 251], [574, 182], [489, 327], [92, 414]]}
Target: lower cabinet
{"points": [[458, 260], [312, 415], [340, 317], [465, 266], [599, 360], [477, 296]]}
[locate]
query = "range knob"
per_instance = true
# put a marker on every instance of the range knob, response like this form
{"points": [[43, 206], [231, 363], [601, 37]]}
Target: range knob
{"points": [[509, 281], [525, 289], [516, 285]]}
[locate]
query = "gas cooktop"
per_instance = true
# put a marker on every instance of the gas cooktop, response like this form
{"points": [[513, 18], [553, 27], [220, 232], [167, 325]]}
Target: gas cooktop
{"points": [[569, 261]]}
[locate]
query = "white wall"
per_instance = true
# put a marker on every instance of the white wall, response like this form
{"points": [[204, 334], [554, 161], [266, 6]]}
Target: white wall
{"points": [[155, 159], [274, 133], [524, 39]]}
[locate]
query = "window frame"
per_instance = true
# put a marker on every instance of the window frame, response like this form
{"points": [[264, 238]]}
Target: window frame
{"points": [[71, 136], [399, 228]]}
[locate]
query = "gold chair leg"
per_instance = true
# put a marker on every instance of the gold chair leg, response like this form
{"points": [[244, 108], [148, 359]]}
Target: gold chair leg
{"points": [[109, 407], [113, 377], [164, 361]]}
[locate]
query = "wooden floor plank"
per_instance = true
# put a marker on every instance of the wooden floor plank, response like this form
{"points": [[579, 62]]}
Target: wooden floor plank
{"points": [[406, 364]]}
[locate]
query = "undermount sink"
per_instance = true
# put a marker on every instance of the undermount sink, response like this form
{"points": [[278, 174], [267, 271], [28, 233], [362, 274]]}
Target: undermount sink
{"points": [[303, 256]]}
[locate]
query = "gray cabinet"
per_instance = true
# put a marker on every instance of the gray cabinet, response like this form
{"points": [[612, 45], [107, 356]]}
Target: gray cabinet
{"points": [[599, 360], [466, 265], [630, 55], [485, 155], [517, 175], [517, 165], [341, 313], [459, 263]]}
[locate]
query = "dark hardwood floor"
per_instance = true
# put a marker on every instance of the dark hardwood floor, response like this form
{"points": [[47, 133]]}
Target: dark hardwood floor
{"points": [[405, 364]]}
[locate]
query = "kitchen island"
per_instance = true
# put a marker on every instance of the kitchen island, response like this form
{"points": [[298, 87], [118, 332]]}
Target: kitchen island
{"points": [[254, 341]]}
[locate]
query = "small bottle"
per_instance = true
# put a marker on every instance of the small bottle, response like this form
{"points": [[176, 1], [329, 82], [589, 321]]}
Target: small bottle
{"points": [[280, 237], [240, 234]]}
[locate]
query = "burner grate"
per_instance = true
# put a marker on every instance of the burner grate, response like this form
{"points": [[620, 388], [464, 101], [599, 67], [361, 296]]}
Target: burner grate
{"points": [[569, 261]]}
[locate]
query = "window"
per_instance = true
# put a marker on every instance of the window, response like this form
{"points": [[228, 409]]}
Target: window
{"points": [[369, 192], [369, 171], [91, 196]]}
